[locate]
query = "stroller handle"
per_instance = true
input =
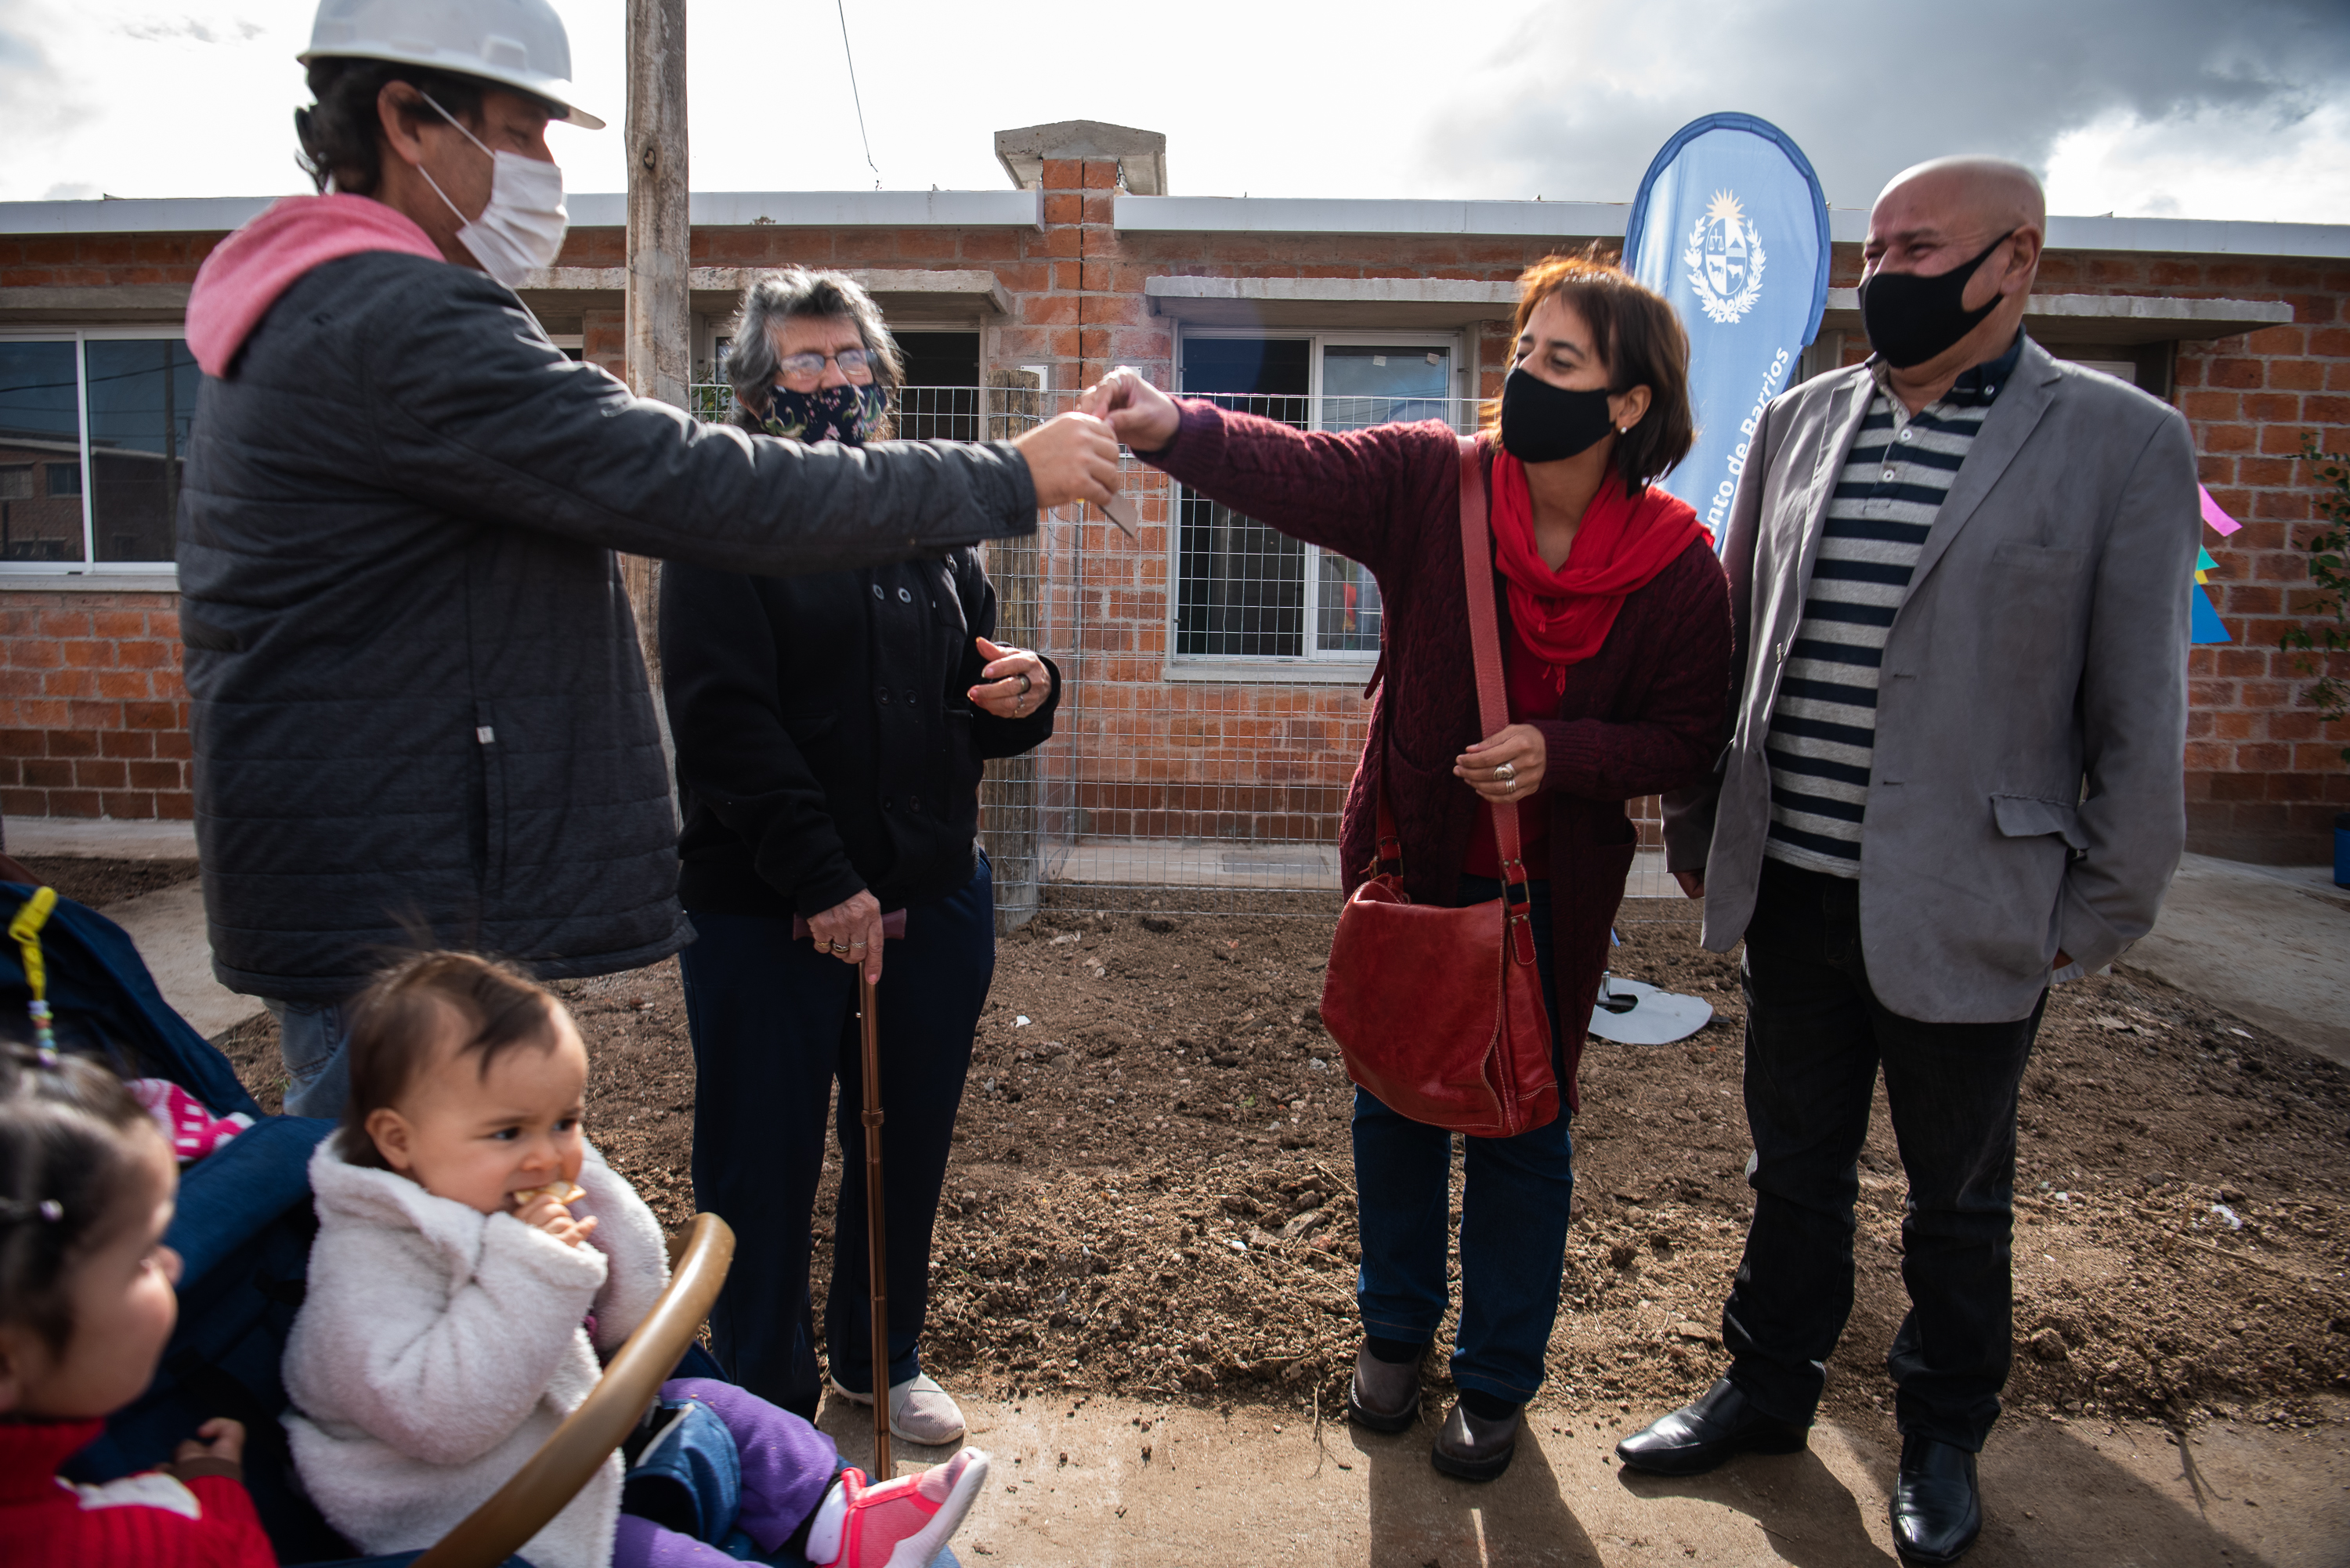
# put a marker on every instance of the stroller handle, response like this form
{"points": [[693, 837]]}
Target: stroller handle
{"points": [[519, 1510]]}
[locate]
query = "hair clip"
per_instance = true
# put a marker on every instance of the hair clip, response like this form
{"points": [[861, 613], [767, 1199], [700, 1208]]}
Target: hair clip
{"points": [[42, 1054], [20, 1209]]}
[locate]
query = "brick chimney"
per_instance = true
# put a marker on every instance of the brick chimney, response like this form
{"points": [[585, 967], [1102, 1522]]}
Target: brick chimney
{"points": [[1091, 314]]}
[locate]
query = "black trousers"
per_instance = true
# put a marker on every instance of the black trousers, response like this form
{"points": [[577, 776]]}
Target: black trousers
{"points": [[1817, 1036], [775, 1028]]}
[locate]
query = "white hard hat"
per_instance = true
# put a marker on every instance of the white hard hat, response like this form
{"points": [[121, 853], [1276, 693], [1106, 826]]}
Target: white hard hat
{"points": [[514, 43]]}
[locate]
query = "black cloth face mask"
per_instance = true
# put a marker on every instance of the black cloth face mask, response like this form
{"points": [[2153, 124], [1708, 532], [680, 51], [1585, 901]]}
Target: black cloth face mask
{"points": [[1909, 320], [1543, 423]]}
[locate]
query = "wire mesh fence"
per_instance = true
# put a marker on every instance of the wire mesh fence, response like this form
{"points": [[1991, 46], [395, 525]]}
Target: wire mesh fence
{"points": [[1213, 710]]}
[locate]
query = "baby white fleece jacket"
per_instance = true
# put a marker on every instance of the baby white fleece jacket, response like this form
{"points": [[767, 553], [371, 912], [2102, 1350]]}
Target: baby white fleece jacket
{"points": [[438, 1347]]}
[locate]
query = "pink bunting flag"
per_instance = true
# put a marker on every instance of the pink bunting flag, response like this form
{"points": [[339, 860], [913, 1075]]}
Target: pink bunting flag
{"points": [[2219, 520]]}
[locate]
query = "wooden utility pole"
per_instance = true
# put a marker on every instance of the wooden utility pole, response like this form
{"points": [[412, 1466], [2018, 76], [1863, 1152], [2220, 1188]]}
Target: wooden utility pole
{"points": [[660, 316]]}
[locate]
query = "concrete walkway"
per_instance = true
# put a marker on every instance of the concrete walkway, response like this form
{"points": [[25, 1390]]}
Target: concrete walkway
{"points": [[1202, 1490], [99, 839], [2271, 944], [168, 927]]}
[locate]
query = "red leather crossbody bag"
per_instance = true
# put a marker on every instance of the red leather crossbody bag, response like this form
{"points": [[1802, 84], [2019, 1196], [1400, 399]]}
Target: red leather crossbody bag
{"points": [[1439, 1011]]}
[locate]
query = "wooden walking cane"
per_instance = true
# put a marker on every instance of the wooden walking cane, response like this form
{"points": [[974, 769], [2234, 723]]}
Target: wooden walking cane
{"points": [[876, 1237]]}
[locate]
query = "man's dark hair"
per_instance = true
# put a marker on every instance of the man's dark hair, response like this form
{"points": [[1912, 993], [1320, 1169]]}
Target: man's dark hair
{"points": [[66, 1153], [1641, 340], [341, 133], [400, 1019]]}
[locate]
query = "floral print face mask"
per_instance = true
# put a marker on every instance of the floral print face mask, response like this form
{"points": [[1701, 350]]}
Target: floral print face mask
{"points": [[848, 414]]}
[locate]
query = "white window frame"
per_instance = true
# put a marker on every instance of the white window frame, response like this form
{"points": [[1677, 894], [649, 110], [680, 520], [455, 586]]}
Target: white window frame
{"points": [[1340, 664], [89, 566]]}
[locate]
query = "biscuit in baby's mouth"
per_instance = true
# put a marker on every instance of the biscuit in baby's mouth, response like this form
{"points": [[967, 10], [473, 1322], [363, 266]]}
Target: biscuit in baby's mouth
{"points": [[564, 1192]]}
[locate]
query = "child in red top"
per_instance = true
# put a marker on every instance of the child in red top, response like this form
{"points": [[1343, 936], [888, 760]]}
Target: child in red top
{"points": [[86, 1184]]}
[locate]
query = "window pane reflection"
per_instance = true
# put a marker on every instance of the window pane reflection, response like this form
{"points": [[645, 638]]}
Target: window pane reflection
{"points": [[143, 399], [40, 453], [1348, 608], [1368, 384]]}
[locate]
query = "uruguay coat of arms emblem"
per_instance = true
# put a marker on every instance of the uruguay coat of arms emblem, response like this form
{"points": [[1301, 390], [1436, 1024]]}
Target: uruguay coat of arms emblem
{"points": [[1724, 260]]}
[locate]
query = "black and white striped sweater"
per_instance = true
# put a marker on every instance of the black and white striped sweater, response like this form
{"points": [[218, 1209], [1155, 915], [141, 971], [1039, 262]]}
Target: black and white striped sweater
{"points": [[1823, 725]]}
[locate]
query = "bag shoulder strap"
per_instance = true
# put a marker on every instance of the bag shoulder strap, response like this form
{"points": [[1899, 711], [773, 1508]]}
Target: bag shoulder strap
{"points": [[1485, 633], [1492, 692], [1492, 695]]}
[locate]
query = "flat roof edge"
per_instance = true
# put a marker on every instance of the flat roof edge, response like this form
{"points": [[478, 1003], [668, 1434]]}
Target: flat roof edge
{"points": [[1605, 220], [588, 210], [1193, 214], [1340, 215]]}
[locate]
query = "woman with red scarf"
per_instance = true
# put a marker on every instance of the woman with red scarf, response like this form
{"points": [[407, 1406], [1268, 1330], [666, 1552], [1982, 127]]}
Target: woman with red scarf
{"points": [[1615, 643]]}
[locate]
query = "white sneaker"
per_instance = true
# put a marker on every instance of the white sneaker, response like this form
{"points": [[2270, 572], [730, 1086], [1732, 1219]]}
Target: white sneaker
{"points": [[919, 1410]]}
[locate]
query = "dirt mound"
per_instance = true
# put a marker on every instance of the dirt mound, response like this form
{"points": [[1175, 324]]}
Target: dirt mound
{"points": [[1152, 1184]]}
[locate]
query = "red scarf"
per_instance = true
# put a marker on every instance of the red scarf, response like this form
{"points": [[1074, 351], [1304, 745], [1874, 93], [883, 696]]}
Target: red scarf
{"points": [[1623, 542]]}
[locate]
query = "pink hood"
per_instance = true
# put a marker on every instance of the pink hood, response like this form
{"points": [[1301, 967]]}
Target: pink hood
{"points": [[247, 271]]}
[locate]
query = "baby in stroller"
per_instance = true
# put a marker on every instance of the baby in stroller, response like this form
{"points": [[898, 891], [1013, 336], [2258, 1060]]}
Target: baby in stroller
{"points": [[474, 1256]]}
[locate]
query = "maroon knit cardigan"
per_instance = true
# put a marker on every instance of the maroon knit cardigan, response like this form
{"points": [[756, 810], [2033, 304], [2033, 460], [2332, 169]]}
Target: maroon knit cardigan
{"points": [[1648, 713]]}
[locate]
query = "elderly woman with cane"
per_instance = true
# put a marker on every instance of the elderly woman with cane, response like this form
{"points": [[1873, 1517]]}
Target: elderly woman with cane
{"points": [[1601, 674], [831, 733]]}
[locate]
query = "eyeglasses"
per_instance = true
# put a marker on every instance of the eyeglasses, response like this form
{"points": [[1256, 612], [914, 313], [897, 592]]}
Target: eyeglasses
{"points": [[855, 364]]}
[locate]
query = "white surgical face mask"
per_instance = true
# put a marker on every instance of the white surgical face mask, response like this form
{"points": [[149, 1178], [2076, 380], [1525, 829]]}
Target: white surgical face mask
{"points": [[522, 228]]}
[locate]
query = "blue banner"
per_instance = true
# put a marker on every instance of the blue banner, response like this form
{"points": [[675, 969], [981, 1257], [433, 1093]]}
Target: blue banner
{"points": [[1731, 226]]}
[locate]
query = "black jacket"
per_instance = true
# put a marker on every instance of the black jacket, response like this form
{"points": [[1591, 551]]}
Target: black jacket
{"points": [[417, 694], [825, 742]]}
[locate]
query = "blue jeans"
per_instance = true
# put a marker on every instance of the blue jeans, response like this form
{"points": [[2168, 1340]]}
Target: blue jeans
{"points": [[314, 1040], [1514, 1216], [1815, 1038], [775, 1027]]}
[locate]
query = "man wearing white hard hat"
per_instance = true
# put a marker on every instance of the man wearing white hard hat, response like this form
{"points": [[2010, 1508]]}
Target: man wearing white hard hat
{"points": [[418, 706]]}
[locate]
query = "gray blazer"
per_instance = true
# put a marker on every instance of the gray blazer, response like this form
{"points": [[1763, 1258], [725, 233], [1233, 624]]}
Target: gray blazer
{"points": [[2026, 793]]}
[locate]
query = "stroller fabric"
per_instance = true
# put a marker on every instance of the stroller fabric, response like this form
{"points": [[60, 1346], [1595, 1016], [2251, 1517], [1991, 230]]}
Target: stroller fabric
{"points": [[107, 1006]]}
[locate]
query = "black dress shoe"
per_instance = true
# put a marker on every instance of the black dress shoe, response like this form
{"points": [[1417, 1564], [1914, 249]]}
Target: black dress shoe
{"points": [[1937, 1506], [1698, 1436], [1471, 1447]]}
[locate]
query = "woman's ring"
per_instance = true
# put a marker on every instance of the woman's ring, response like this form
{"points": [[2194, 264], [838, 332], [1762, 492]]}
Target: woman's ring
{"points": [[840, 947], [856, 944], [1506, 771], [1025, 683]]}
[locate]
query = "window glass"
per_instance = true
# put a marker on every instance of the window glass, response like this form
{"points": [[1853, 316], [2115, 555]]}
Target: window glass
{"points": [[1246, 590], [1364, 385], [1240, 591], [143, 400], [40, 453], [940, 399]]}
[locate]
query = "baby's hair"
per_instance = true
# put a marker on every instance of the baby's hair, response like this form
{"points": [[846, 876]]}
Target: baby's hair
{"points": [[66, 1154], [401, 1017]]}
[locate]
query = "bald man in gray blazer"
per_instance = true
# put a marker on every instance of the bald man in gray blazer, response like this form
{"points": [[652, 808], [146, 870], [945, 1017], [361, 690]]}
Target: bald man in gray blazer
{"points": [[1959, 574]]}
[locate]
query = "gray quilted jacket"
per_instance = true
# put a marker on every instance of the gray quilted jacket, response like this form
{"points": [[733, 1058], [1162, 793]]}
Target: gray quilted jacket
{"points": [[417, 703]]}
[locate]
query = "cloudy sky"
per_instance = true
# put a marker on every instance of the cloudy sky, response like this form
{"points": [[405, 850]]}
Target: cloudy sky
{"points": [[2174, 107]]}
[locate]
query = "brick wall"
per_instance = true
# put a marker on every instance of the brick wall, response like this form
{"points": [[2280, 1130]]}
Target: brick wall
{"points": [[2264, 777], [93, 719], [100, 261], [1155, 758]]}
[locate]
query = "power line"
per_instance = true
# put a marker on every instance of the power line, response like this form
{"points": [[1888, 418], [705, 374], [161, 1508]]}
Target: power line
{"points": [[854, 97]]}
